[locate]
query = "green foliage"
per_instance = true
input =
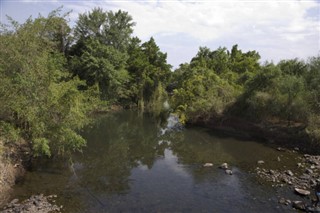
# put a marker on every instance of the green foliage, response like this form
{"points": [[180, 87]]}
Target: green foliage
{"points": [[208, 85], [149, 72], [202, 95], [232, 82], [50, 80], [54, 85], [8, 132], [99, 55], [276, 92], [103, 65], [41, 146], [314, 127], [38, 97]]}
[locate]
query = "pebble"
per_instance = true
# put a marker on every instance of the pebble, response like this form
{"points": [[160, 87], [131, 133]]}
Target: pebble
{"points": [[208, 165], [302, 184], [282, 200], [299, 205], [308, 171], [228, 171], [302, 191], [35, 204], [224, 166], [289, 172]]}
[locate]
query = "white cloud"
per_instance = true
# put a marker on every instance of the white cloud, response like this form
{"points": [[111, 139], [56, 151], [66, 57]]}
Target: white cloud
{"points": [[210, 20], [274, 28]]}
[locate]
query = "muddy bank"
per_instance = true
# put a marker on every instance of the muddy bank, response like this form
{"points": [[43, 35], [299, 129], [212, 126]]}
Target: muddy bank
{"points": [[14, 160], [291, 137]]}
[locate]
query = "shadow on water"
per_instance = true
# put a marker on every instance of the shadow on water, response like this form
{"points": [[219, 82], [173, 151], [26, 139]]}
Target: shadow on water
{"points": [[132, 165]]}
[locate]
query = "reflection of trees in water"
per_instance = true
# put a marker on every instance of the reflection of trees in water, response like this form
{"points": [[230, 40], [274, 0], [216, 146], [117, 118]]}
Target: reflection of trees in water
{"points": [[122, 141], [116, 144], [194, 148]]}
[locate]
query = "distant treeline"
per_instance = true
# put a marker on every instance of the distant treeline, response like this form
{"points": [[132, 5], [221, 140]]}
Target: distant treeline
{"points": [[53, 76]]}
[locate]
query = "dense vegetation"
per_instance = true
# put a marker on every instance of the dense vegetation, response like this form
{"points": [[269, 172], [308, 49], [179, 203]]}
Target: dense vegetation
{"points": [[233, 83], [53, 76]]}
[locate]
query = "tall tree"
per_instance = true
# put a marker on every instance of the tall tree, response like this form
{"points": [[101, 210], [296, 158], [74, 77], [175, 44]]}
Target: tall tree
{"points": [[149, 69], [118, 29], [100, 52], [43, 101]]}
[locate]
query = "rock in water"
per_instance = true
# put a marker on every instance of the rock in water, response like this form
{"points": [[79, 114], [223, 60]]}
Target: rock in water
{"points": [[207, 165], [309, 171], [302, 191], [228, 171], [299, 205], [224, 166], [282, 200], [288, 172]]}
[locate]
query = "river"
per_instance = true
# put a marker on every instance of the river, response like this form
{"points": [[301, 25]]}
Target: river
{"points": [[134, 163]]}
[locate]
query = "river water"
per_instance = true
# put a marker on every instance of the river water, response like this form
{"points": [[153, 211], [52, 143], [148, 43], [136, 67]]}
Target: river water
{"points": [[134, 163]]}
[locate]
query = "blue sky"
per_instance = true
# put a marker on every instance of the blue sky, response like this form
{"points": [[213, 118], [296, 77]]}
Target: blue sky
{"points": [[277, 29]]}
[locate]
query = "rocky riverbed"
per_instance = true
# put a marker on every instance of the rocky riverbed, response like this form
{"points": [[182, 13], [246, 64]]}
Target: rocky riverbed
{"points": [[35, 204], [302, 180]]}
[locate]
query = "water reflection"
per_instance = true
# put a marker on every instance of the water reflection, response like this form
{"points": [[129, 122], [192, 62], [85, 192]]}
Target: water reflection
{"points": [[129, 167]]}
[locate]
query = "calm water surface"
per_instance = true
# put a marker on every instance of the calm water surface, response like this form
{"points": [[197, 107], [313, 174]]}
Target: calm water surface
{"points": [[134, 164]]}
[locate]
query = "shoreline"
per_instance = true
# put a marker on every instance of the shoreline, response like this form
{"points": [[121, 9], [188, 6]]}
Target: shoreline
{"points": [[274, 135], [14, 161]]}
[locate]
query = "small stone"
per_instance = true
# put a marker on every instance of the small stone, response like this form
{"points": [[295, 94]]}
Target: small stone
{"points": [[302, 191], [36, 202], [228, 172], [288, 202], [260, 162], [312, 209], [278, 159], [224, 166], [296, 148], [308, 171], [207, 165], [280, 149], [299, 205], [289, 172], [298, 164], [14, 201], [313, 182], [282, 201], [16, 205], [305, 177]]}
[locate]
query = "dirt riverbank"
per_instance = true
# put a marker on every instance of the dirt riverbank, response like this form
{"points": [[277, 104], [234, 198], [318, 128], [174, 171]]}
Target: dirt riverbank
{"points": [[273, 134], [14, 160]]}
